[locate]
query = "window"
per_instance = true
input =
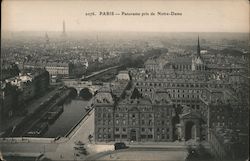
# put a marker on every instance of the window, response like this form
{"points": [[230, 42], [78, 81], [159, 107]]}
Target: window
{"points": [[143, 136], [124, 129], [150, 122], [116, 129], [143, 129]]}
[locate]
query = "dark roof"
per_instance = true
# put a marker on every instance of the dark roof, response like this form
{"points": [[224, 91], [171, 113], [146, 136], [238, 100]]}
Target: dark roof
{"points": [[182, 60]]}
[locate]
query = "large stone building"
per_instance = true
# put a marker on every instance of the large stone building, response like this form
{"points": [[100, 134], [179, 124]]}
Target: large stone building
{"points": [[136, 117]]}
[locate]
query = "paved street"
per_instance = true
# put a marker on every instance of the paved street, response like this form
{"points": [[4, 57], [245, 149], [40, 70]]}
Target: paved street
{"points": [[146, 155]]}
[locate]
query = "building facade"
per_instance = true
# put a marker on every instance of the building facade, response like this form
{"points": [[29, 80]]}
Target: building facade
{"points": [[134, 118]]}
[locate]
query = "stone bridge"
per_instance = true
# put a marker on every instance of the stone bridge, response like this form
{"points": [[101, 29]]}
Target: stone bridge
{"points": [[80, 85]]}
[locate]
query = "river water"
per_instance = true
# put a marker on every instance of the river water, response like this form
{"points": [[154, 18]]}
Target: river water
{"points": [[74, 110]]}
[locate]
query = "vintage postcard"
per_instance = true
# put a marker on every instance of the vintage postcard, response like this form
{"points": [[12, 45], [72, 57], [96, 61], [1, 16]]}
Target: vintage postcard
{"points": [[128, 80]]}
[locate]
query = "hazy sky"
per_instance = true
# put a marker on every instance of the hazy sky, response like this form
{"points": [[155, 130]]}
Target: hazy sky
{"points": [[197, 16]]}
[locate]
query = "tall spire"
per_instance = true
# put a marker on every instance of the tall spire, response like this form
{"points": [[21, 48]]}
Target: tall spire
{"points": [[198, 48], [64, 30]]}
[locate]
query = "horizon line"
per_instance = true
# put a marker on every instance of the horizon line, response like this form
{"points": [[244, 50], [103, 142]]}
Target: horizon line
{"points": [[127, 31]]}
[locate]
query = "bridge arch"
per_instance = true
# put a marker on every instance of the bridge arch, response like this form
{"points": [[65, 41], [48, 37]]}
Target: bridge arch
{"points": [[73, 92], [80, 85], [86, 93]]}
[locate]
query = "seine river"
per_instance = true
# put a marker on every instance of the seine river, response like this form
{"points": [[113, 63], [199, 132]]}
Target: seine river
{"points": [[73, 112]]}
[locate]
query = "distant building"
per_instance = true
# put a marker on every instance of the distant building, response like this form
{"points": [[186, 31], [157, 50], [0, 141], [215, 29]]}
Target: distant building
{"points": [[57, 68], [187, 63], [154, 64], [19, 90], [54, 68], [123, 75]]}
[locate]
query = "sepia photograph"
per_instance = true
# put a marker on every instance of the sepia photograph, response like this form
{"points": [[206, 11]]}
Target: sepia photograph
{"points": [[124, 80]]}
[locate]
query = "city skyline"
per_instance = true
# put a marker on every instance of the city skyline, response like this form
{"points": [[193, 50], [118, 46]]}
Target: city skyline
{"points": [[204, 16], [172, 86]]}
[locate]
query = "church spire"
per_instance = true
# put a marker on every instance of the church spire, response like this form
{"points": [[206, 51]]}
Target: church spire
{"points": [[198, 48]]}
